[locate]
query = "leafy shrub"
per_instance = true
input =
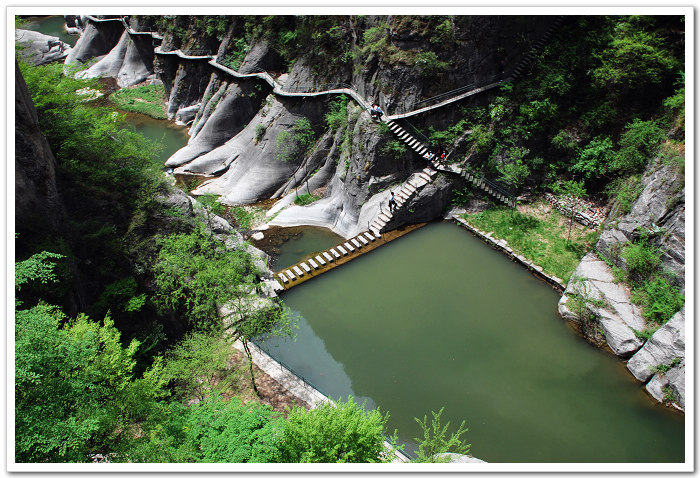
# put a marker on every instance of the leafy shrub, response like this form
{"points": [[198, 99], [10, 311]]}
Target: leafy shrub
{"points": [[635, 57], [658, 299], [641, 257], [428, 64], [243, 217], [305, 199], [594, 158], [340, 433], [625, 191], [337, 115], [259, 132], [443, 34], [395, 148], [290, 146], [637, 144]]}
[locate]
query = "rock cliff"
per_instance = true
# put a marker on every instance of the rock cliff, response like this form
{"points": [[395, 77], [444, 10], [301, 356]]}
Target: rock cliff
{"points": [[603, 305], [38, 205], [236, 126]]}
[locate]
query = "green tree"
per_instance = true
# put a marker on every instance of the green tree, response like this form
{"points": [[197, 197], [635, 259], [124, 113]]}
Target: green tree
{"points": [[213, 430], [75, 392], [291, 146], [435, 441], [638, 144], [216, 288], [198, 365], [595, 158], [571, 193], [343, 432], [636, 56]]}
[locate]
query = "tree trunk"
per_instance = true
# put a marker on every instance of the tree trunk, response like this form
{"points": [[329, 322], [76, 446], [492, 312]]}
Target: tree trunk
{"points": [[250, 366]]}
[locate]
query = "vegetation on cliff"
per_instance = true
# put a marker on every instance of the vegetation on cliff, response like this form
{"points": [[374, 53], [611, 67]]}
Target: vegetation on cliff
{"points": [[113, 383]]}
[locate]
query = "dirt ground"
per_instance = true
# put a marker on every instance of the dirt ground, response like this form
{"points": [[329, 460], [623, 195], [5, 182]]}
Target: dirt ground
{"points": [[271, 392]]}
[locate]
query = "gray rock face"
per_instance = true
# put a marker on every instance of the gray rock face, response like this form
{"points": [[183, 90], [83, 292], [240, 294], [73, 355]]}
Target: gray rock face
{"points": [[185, 81], [185, 116], [593, 280], [130, 61], [250, 170], [37, 202], [660, 206], [231, 110], [260, 57], [669, 387], [96, 40], [39, 49], [666, 345]]}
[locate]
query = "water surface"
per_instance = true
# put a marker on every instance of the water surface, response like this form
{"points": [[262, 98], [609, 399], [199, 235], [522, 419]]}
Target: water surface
{"points": [[438, 319], [172, 136], [53, 26]]}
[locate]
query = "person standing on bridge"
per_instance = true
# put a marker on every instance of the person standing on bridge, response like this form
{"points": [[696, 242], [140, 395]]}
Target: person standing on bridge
{"points": [[376, 111]]}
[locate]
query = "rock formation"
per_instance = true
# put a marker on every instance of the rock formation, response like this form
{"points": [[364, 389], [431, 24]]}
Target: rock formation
{"points": [[593, 296], [37, 202], [130, 61], [38, 49]]}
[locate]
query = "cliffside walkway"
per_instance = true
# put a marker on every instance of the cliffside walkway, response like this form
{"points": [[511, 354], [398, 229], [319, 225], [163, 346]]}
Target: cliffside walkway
{"points": [[442, 100], [372, 237], [439, 101]]}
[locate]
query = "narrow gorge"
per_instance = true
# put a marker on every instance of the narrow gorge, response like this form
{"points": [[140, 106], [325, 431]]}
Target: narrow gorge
{"points": [[501, 123]]}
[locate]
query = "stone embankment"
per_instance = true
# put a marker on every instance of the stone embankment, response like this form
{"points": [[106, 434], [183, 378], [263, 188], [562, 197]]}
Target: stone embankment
{"points": [[502, 245]]}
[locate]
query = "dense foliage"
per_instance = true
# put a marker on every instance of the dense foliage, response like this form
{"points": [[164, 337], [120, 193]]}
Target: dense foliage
{"points": [[343, 432], [594, 105]]}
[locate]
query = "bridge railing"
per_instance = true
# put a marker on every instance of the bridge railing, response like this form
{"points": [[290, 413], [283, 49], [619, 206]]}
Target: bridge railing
{"points": [[433, 100]]}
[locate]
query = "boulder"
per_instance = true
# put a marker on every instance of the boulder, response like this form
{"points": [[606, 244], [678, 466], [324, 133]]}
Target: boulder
{"points": [[130, 61], [39, 49], [250, 164], [185, 116], [97, 40], [618, 317], [667, 344], [669, 387], [227, 112]]}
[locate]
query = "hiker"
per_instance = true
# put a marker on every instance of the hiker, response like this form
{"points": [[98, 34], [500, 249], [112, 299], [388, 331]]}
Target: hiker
{"points": [[376, 111], [430, 157], [392, 202], [501, 69]]}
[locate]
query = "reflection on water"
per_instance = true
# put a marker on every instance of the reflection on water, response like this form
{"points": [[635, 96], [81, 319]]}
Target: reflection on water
{"points": [[438, 319], [332, 378], [289, 245], [172, 136]]}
